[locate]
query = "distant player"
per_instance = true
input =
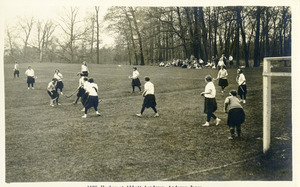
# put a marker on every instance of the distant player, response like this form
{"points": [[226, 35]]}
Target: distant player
{"points": [[59, 84], [210, 104], [30, 77], [84, 69], [236, 115], [51, 90], [92, 100], [135, 79], [222, 77], [149, 98], [242, 89], [16, 70]]}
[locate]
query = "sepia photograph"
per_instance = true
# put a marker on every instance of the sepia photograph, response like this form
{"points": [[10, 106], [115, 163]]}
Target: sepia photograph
{"points": [[149, 94]]}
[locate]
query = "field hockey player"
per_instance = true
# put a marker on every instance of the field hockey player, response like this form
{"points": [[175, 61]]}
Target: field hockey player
{"points": [[149, 98], [236, 114], [59, 84], [51, 90], [92, 99], [30, 77], [210, 104]]}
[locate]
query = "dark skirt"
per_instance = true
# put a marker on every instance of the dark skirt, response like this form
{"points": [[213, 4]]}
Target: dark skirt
{"points": [[136, 82], [30, 80], [53, 95], [59, 85], [223, 82], [236, 116], [92, 101], [84, 99], [80, 92], [149, 101], [210, 105], [242, 90], [85, 73], [16, 72]]}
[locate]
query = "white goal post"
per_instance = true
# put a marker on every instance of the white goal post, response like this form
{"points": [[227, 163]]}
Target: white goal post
{"points": [[267, 74]]}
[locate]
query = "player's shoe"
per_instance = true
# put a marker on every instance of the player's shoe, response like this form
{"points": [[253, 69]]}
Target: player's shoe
{"points": [[218, 121], [156, 115], [84, 116], [82, 110], [51, 104], [230, 138], [205, 124], [139, 115], [58, 104], [98, 114]]}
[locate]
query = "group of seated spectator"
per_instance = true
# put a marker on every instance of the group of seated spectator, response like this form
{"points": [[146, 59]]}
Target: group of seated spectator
{"points": [[194, 63]]}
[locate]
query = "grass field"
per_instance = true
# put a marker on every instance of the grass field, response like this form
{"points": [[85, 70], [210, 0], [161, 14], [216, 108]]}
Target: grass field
{"points": [[45, 143]]}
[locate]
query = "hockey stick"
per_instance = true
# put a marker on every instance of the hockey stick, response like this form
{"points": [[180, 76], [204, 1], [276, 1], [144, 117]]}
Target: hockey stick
{"points": [[68, 96], [241, 88]]}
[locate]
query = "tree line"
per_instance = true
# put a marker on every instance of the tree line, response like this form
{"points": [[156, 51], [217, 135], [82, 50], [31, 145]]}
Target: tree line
{"points": [[149, 35]]}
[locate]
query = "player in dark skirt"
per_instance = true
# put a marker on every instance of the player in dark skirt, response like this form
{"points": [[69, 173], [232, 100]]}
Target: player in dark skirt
{"points": [[236, 114], [84, 69], [51, 90], [59, 77], [242, 89], [135, 79], [80, 90], [210, 104], [222, 77], [149, 98], [92, 99], [16, 70], [30, 77]]}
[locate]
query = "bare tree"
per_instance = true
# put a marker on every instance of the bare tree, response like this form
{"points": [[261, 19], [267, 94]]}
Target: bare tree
{"points": [[26, 25], [70, 26], [44, 31], [98, 30]]}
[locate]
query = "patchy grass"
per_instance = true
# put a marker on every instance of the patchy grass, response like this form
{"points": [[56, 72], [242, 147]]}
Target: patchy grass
{"points": [[46, 143]]}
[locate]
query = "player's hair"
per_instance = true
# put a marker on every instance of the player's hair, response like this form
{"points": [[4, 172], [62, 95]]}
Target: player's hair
{"points": [[208, 78], [85, 79], [240, 71], [54, 79], [91, 80], [233, 92], [147, 78], [134, 68]]}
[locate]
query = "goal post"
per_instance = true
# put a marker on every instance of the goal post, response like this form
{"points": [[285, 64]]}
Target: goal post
{"points": [[267, 74]]}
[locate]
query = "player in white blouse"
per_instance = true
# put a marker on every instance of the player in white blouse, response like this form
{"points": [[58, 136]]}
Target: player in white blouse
{"points": [[30, 77], [92, 101], [242, 89], [210, 104], [59, 84], [149, 98], [84, 69], [16, 70], [135, 79]]}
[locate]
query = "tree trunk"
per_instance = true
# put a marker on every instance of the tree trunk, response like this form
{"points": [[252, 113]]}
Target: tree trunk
{"points": [[256, 45], [98, 33], [139, 36], [239, 20]]}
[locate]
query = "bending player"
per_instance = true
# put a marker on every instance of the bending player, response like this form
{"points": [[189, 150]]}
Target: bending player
{"points": [[92, 100]]}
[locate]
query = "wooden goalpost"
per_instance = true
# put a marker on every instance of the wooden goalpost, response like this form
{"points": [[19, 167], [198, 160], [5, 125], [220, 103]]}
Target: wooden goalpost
{"points": [[267, 74]]}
